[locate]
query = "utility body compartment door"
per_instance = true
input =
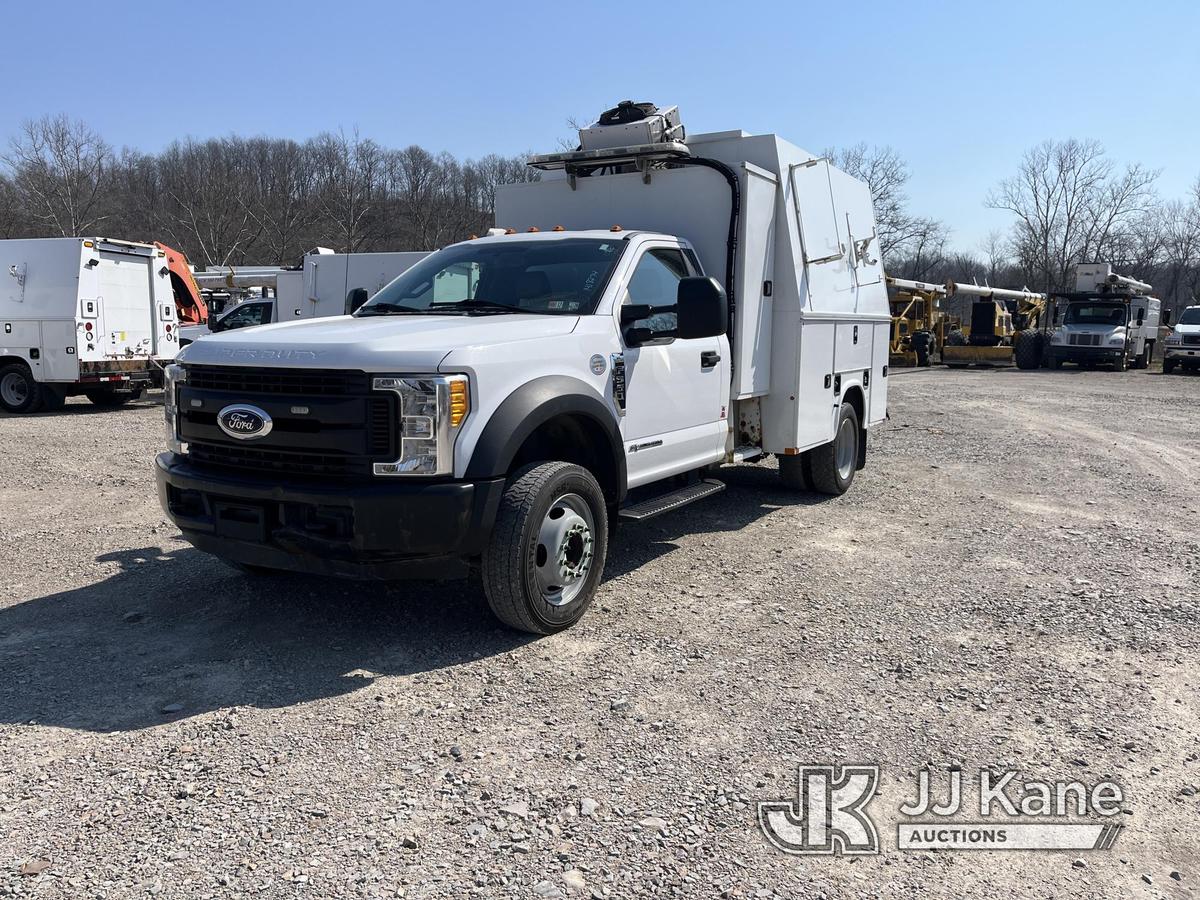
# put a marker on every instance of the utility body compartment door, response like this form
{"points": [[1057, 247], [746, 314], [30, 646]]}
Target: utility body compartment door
{"points": [[128, 303]]}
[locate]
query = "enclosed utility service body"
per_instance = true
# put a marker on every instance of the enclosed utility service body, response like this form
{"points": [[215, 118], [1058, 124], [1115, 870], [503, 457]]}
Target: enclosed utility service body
{"points": [[88, 316], [1108, 319], [646, 314]]}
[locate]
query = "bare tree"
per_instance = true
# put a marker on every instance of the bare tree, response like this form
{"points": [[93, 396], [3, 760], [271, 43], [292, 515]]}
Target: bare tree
{"points": [[61, 170], [1072, 205], [204, 184], [281, 203], [348, 191], [13, 221]]}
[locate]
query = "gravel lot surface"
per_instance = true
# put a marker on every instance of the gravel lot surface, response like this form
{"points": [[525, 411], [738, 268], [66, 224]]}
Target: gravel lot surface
{"points": [[1010, 583]]}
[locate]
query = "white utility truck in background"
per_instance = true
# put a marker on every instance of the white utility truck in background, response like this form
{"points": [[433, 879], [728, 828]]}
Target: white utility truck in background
{"points": [[90, 316], [325, 284], [1182, 346], [656, 308], [1108, 319]]}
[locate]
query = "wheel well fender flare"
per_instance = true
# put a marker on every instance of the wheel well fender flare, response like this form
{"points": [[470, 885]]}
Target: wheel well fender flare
{"points": [[529, 407]]}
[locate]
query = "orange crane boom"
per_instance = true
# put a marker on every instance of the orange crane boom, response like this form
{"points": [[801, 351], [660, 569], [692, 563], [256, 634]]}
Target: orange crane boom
{"points": [[189, 305]]}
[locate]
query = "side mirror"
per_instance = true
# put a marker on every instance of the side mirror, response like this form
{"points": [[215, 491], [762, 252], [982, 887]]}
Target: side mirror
{"points": [[635, 337], [1166, 318], [702, 308], [216, 324], [635, 312], [1141, 316], [355, 299]]}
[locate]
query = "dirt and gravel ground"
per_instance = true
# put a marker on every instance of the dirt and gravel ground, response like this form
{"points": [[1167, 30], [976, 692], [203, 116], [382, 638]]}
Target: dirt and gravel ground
{"points": [[1011, 583]]}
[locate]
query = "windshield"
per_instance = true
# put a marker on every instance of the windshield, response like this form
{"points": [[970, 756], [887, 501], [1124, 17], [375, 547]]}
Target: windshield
{"points": [[1190, 316], [546, 277], [1095, 314]]}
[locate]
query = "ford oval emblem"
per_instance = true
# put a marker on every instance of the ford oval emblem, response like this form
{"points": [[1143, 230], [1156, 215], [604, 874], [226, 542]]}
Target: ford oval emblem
{"points": [[244, 422]]}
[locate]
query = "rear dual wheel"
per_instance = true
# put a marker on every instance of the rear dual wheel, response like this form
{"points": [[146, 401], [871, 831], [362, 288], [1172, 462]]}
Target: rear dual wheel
{"points": [[19, 391], [828, 469], [107, 398]]}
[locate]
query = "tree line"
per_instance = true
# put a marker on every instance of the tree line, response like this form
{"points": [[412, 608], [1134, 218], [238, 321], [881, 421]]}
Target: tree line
{"points": [[237, 200]]}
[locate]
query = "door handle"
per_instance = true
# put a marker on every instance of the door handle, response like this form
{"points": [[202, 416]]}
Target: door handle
{"points": [[709, 358]]}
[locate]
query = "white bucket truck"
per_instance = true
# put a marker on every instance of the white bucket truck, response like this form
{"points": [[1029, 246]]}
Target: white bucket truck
{"points": [[1108, 319], [656, 309], [90, 316]]}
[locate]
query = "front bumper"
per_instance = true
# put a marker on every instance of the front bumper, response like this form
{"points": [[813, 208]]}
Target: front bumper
{"points": [[378, 530], [1182, 351], [1068, 353]]}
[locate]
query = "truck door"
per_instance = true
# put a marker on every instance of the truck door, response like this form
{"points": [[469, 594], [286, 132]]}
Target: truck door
{"points": [[677, 391], [126, 294]]}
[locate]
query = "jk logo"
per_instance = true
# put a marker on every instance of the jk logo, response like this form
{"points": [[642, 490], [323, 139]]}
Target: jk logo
{"points": [[828, 816]]}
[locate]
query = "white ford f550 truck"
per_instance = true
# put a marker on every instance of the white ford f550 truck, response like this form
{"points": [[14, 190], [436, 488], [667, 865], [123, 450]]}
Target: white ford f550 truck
{"points": [[655, 308], [90, 316]]}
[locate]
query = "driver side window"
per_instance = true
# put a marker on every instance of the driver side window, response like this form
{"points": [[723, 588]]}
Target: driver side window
{"points": [[247, 315], [655, 282]]}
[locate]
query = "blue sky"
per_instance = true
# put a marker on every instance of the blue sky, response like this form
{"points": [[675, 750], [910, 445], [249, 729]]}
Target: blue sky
{"points": [[959, 89]]}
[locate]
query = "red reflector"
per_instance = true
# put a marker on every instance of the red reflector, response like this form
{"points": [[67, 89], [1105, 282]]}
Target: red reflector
{"points": [[88, 326], [168, 329]]}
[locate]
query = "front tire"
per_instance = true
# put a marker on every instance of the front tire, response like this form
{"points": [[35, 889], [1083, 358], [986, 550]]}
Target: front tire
{"points": [[19, 392], [832, 466], [1027, 350], [547, 550], [1168, 366]]}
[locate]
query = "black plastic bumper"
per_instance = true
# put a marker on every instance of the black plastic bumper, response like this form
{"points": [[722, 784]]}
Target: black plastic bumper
{"points": [[1068, 353], [379, 530]]}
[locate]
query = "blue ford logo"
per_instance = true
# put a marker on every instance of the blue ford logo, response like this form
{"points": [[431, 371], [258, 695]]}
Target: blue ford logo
{"points": [[244, 422]]}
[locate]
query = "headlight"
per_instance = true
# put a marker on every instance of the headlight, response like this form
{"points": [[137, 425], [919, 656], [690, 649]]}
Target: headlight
{"points": [[432, 411], [1057, 337], [1174, 338], [173, 376], [1117, 341]]}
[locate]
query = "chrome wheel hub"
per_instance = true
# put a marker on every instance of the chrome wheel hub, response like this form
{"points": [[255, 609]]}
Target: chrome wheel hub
{"points": [[846, 449], [564, 551]]}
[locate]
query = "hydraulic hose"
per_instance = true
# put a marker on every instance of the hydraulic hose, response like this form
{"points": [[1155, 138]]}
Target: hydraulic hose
{"points": [[735, 213]]}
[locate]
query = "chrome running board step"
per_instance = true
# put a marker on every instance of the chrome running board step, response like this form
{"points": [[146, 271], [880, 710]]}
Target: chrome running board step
{"points": [[665, 503]]}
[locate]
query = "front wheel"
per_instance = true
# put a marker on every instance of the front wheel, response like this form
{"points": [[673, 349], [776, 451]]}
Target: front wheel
{"points": [[546, 554], [1168, 366]]}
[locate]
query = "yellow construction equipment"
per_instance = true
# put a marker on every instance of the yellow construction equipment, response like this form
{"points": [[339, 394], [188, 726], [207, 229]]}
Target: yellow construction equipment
{"points": [[1005, 329], [918, 324]]}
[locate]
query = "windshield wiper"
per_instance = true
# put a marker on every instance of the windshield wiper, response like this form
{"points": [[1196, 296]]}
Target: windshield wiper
{"points": [[388, 309], [486, 306]]}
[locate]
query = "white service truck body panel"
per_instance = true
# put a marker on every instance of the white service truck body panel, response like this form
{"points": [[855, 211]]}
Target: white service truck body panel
{"points": [[804, 336], [84, 311]]}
